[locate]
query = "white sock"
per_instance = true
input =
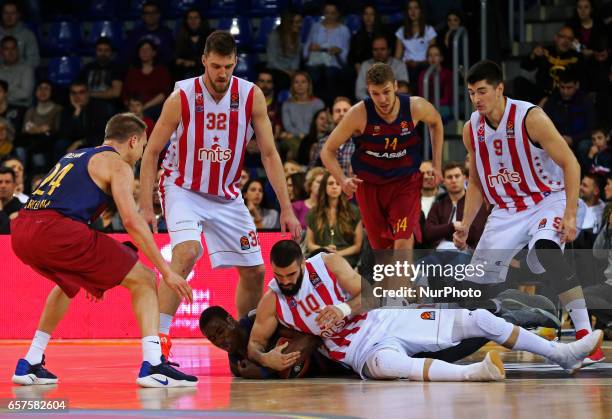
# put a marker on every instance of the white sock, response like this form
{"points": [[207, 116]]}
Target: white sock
{"points": [[151, 350], [535, 344], [165, 321], [579, 314], [37, 348]]}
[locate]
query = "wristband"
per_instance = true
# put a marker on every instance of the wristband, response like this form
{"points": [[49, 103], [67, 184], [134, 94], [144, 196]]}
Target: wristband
{"points": [[344, 308]]}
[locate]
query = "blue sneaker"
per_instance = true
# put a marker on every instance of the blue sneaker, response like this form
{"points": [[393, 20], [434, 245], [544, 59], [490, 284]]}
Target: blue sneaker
{"points": [[27, 374], [164, 375]]}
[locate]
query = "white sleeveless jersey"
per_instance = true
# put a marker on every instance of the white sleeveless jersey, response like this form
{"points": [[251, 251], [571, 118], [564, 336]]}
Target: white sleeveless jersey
{"points": [[319, 289], [514, 173], [207, 149]]}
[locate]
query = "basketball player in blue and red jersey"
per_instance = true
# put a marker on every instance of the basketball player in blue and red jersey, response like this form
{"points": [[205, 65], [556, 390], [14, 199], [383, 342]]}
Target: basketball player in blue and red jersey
{"points": [[388, 153], [52, 235], [524, 168], [210, 119]]}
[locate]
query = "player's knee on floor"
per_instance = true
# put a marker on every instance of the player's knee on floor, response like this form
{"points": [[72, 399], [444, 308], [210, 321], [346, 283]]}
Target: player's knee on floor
{"points": [[482, 323]]}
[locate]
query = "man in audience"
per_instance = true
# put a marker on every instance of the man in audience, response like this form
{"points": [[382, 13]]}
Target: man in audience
{"points": [[18, 75], [341, 107], [10, 24], [429, 189], [380, 54], [17, 166], [13, 114], [9, 204], [265, 82], [152, 29]]}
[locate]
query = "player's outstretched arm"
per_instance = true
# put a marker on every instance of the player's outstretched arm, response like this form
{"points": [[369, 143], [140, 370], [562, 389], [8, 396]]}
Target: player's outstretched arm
{"points": [[473, 195], [422, 110], [352, 122], [272, 164], [165, 126], [542, 131], [350, 282], [264, 327], [122, 185]]}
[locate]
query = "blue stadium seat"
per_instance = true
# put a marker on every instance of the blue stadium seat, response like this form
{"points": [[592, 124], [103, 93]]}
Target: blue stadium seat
{"points": [[246, 66], [98, 9], [63, 38], [63, 70], [282, 96], [307, 6], [266, 25], [353, 22], [240, 27], [267, 7], [132, 9], [394, 18], [107, 28], [177, 8], [221, 8], [390, 6]]}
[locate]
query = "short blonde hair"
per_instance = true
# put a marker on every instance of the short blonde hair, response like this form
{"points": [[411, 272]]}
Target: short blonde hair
{"points": [[311, 175]]}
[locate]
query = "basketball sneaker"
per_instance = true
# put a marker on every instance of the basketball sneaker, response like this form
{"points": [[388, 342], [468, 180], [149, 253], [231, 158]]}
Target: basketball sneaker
{"points": [[27, 374], [166, 344], [596, 356], [164, 375], [490, 369], [527, 311], [570, 356]]}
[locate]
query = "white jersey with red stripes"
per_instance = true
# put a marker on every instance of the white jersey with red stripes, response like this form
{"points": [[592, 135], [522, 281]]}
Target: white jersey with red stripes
{"points": [[354, 339], [207, 149], [515, 173]]}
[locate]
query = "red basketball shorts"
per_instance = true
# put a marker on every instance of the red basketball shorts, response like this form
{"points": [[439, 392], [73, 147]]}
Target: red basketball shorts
{"points": [[391, 211], [69, 253]]}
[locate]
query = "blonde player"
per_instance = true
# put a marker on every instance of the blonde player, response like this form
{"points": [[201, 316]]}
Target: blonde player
{"points": [[525, 169], [210, 119]]}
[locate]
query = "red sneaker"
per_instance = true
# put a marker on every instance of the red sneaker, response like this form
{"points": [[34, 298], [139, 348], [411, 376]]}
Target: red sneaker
{"points": [[596, 356], [166, 344]]}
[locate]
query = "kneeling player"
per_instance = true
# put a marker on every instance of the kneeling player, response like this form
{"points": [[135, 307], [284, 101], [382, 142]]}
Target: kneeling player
{"points": [[322, 296]]}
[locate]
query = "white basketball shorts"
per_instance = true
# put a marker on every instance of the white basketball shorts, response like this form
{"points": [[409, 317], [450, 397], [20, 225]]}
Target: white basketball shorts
{"points": [[231, 236]]}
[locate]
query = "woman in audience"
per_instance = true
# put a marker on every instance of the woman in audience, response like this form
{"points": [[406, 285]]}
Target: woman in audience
{"points": [[284, 49], [434, 57], [587, 27], [361, 42], [311, 188], [295, 186], [326, 52], [319, 128], [148, 80], [190, 44], [7, 134], [253, 194], [40, 127], [454, 20], [297, 114], [334, 224], [413, 39]]}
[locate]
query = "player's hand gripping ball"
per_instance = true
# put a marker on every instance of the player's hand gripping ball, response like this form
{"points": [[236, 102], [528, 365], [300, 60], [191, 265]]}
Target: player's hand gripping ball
{"points": [[299, 369]]}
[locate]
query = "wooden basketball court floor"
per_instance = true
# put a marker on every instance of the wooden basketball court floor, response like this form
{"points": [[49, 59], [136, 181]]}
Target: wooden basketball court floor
{"points": [[97, 378]]}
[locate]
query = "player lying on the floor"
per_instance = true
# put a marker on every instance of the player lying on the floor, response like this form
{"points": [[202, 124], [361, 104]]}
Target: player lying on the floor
{"points": [[322, 296]]}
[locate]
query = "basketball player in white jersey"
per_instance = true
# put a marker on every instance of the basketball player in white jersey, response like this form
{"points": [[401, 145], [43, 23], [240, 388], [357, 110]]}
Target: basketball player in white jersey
{"points": [[322, 296], [525, 169], [209, 121]]}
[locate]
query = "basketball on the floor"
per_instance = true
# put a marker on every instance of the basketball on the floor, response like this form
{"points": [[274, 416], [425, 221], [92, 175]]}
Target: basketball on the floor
{"points": [[299, 369]]}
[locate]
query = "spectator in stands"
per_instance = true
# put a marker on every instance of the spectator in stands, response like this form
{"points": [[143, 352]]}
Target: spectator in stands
{"points": [[434, 57], [17, 166], [590, 192], [319, 128], [586, 27], [40, 128], [404, 87], [244, 178], [334, 223], [253, 194], [284, 49], [326, 53], [18, 75], [454, 20], [290, 167], [136, 105], [148, 80], [109, 221], [104, 78], [190, 45], [297, 113], [413, 39], [572, 112], [151, 29], [311, 188], [341, 106], [448, 209], [265, 81], [548, 63], [362, 41], [12, 113], [381, 53], [598, 66], [82, 124], [11, 25], [7, 136], [429, 189], [295, 186], [9, 204], [599, 161]]}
